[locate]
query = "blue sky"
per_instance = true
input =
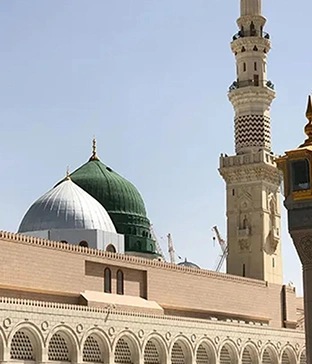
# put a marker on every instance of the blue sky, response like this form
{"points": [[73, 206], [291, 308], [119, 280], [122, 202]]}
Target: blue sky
{"points": [[148, 78]]}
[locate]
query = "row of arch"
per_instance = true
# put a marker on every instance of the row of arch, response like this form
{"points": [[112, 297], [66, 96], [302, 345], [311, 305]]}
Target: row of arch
{"points": [[27, 344]]}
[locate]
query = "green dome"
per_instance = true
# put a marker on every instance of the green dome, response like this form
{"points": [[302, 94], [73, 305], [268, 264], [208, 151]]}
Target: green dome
{"points": [[109, 188], [121, 200]]}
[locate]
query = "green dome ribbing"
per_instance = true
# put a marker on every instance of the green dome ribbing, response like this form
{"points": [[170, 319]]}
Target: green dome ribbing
{"points": [[109, 188], [121, 200]]}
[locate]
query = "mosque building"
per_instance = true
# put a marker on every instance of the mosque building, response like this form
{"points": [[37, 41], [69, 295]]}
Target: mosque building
{"points": [[82, 280]]}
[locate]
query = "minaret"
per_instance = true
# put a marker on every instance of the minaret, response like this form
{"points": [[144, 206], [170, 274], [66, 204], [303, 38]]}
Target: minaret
{"points": [[251, 176]]}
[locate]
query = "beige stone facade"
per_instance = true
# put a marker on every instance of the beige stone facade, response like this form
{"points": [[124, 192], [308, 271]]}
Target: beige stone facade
{"points": [[186, 315], [62, 303]]}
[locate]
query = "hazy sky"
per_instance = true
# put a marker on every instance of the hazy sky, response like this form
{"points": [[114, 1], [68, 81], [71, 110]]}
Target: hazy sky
{"points": [[149, 78]]}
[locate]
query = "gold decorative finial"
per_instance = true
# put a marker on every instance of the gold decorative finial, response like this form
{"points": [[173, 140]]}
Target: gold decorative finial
{"points": [[94, 156], [67, 173], [308, 127]]}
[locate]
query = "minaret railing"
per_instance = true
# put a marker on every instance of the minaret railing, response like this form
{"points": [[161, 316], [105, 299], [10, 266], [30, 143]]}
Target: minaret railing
{"points": [[251, 33]]}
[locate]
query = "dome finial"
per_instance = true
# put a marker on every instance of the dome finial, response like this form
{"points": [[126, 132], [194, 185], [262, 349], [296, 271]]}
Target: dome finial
{"points": [[308, 127], [67, 173], [94, 156]]}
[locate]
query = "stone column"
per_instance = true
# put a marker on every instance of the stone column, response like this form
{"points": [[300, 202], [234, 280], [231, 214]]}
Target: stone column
{"points": [[300, 228]]}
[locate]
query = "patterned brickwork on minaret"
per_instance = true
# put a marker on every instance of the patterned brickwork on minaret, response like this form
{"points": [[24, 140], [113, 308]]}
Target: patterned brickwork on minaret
{"points": [[251, 176]]}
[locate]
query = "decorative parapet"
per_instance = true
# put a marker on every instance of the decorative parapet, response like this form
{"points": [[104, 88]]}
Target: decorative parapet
{"points": [[249, 167], [253, 158], [8, 302], [249, 43], [117, 257]]}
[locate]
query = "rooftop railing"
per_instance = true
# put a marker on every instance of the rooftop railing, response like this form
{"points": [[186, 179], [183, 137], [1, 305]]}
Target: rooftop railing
{"points": [[253, 83], [251, 33]]}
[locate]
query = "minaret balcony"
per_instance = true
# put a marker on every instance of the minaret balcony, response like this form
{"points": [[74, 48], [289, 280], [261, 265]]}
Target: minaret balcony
{"points": [[251, 33], [251, 83]]}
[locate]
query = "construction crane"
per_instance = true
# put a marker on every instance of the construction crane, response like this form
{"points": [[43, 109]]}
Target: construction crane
{"points": [[224, 248], [170, 249], [158, 247]]}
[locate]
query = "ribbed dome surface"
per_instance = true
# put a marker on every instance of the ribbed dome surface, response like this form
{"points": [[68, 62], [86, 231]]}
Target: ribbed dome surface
{"points": [[121, 200], [66, 206], [114, 192]]}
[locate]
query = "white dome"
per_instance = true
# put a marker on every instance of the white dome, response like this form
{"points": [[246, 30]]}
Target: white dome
{"points": [[66, 206]]}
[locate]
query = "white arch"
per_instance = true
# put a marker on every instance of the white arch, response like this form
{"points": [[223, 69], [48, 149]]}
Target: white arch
{"points": [[2, 344], [71, 339], [210, 349], [186, 346], [133, 343], [35, 336], [160, 344], [272, 352], [102, 340], [232, 349], [254, 352]]}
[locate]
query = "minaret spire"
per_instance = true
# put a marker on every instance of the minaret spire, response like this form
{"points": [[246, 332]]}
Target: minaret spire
{"points": [[308, 127], [251, 7], [251, 176], [94, 156]]}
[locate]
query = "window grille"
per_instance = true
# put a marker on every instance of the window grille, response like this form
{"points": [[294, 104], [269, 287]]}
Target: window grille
{"points": [[122, 352], [21, 347], [177, 354], [285, 358], [58, 349], [267, 357], [303, 358], [91, 351], [225, 356], [202, 356], [151, 355], [246, 359]]}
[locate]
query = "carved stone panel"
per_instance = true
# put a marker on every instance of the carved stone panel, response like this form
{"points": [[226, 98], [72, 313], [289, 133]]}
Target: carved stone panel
{"points": [[300, 219], [304, 248], [244, 245]]}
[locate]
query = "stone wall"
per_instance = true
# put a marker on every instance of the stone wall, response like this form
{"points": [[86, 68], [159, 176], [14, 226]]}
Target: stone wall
{"points": [[42, 332], [62, 270]]}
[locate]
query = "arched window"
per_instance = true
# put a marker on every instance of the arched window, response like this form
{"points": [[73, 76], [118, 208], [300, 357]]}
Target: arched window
{"points": [[255, 66], [107, 280], [244, 67], [120, 282], [110, 248], [84, 244]]}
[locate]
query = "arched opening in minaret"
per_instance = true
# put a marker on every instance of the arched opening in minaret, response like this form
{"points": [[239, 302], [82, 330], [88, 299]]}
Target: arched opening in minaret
{"points": [[242, 31], [256, 80], [244, 67], [252, 29]]}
